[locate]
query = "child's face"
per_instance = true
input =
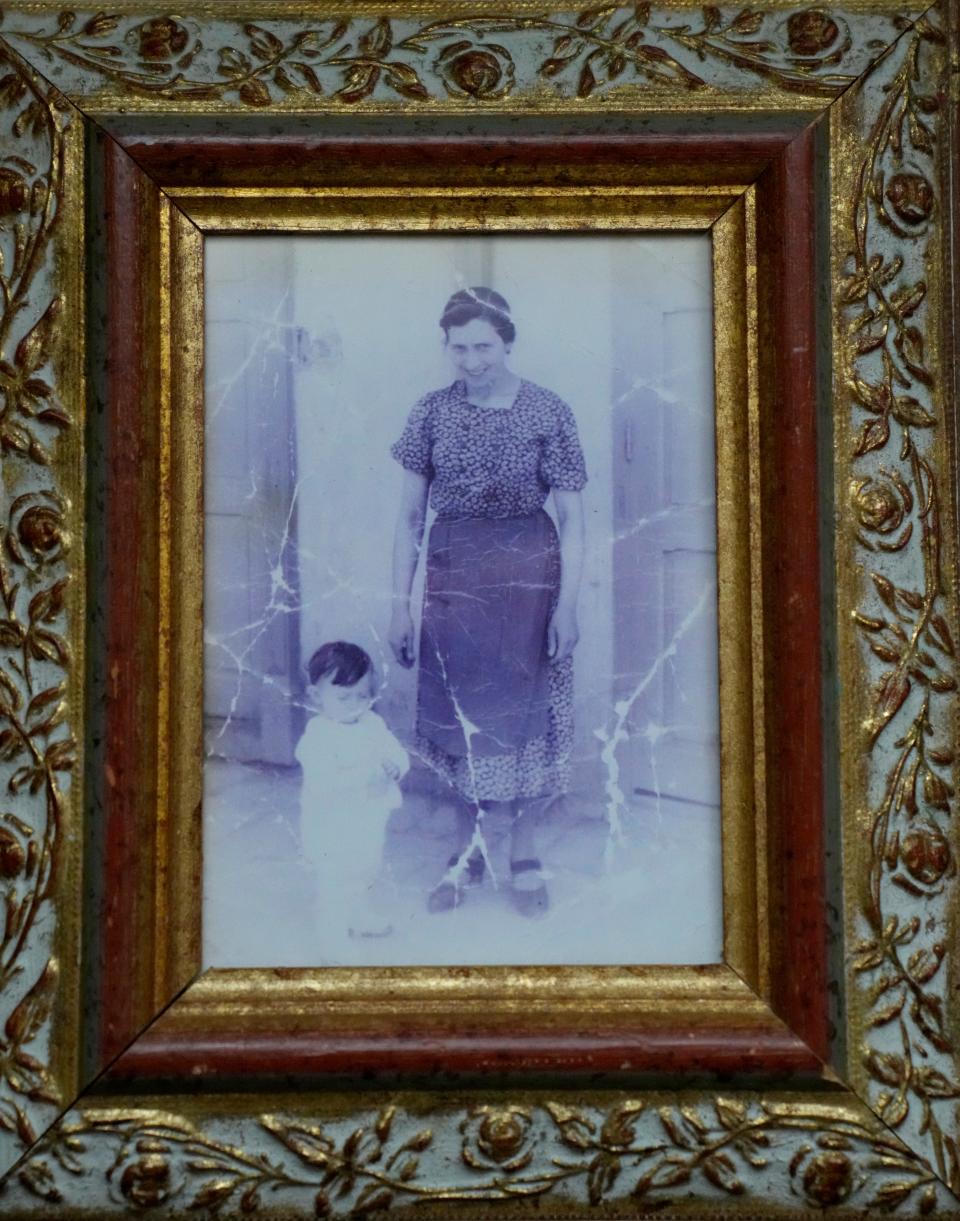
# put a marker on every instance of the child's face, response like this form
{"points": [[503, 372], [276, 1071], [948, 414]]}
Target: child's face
{"points": [[345, 704]]}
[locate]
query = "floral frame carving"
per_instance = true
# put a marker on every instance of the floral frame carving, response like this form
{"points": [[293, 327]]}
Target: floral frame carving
{"points": [[884, 83]]}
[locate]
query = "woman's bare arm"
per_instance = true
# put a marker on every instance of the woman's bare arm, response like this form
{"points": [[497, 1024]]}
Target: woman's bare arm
{"points": [[407, 538], [563, 633]]}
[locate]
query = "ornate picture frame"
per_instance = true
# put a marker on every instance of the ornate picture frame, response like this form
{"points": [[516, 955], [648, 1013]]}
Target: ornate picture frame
{"points": [[817, 1068]]}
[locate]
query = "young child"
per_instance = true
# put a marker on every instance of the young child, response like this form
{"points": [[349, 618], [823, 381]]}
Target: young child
{"points": [[351, 764]]}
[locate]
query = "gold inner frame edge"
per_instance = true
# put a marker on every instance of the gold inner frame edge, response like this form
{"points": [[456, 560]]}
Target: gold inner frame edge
{"points": [[656, 996], [444, 209]]}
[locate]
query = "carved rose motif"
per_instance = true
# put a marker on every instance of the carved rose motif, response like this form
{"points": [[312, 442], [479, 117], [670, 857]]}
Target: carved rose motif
{"points": [[497, 1137], [479, 71], [828, 1179], [161, 38], [925, 854], [911, 197], [37, 529], [12, 855], [811, 31], [880, 505], [14, 192], [146, 1183]]}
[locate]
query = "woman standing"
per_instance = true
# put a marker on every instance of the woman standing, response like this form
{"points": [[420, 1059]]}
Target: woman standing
{"points": [[499, 625]]}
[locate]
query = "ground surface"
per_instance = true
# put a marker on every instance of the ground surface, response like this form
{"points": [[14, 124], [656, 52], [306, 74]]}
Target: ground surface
{"points": [[654, 897]]}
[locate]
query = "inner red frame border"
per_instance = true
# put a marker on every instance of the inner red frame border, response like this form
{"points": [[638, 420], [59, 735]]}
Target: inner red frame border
{"points": [[784, 168]]}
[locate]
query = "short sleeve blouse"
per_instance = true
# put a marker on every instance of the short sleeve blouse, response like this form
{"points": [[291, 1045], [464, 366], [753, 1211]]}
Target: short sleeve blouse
{"points": [[492, 461]]}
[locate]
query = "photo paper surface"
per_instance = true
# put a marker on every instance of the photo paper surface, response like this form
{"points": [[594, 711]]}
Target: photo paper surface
{"points": [[461, 692]]}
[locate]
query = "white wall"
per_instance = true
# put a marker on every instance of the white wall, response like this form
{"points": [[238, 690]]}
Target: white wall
{"points": [[370, 306]]}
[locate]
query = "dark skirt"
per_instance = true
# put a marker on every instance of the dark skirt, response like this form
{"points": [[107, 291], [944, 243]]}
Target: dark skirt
{"points": [[494, 714]]}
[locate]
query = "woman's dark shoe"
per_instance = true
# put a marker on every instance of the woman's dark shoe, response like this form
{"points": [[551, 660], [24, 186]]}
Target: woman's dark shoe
{"points": [[444, 897], [474, 873], [448, 894], [531, 900]]}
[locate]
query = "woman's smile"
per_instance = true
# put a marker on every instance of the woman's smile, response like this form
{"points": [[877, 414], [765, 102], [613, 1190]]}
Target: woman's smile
{"points": [[478, 354]]}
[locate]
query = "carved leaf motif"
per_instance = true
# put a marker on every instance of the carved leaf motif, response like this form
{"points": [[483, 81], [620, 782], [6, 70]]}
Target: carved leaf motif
{"points": [[673, 1129], [908, 411], [944, 639], [34, 349], [907, 300], [234, 62], [894, 689], [264, 44], [874, 434], [361, 79], [27, 1018], [722, 1172], [601, 1176], [404, 80], [378, 40], [10, 697], [61, 756], [254, 93], [283, 82], [591, 18], [48, 604], [747, 21], [309, 75], [730, 1112], [214, 1193], [311, 1146], [909, 343]]}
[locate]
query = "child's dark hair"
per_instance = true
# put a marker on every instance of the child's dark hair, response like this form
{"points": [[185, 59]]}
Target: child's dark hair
{"points": [[346, 662]]}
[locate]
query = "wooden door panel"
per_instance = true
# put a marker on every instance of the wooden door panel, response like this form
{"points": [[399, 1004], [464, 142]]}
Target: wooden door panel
{"points": [[665, 571]]}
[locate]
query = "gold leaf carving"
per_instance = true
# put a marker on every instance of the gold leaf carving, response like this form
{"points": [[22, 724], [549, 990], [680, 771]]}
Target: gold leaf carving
{"points": [[468, 56], [592, 1153], [35, 743], [650, 1153], [903, 621]]}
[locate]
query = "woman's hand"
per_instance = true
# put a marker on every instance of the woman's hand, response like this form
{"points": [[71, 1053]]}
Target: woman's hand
{"points": [[406, 551], [562, 634], [402, 637]]}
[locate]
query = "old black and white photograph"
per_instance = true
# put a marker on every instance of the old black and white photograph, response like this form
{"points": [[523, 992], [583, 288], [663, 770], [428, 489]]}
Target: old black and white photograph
{"points": [[460, 625]]}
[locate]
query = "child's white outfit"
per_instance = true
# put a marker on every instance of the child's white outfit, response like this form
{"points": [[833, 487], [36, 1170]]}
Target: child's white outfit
{"points": [[350, 772]]}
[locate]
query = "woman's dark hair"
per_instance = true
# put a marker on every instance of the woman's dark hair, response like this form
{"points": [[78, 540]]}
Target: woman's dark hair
{"points": [[470, 303], [346, 662]]}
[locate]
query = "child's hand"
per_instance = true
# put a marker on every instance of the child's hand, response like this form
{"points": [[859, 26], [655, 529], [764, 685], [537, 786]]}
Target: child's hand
{"points": [[391, 770]]}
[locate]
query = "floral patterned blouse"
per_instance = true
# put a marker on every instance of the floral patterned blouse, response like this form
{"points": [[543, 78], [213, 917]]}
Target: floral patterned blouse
{"points": [[492, 461]]}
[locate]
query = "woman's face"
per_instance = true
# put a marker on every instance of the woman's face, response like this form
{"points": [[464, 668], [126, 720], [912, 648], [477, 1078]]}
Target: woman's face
{"points": [[478, 353]]}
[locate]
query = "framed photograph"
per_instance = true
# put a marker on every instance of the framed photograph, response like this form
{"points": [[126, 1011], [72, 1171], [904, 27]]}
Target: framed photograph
{"points": [[518, 781], [479, 580]]}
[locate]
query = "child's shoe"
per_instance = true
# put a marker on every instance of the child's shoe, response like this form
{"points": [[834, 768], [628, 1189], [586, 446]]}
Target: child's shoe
{"points": [[532, 900]]}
